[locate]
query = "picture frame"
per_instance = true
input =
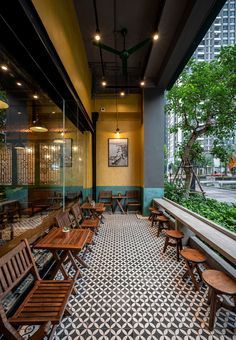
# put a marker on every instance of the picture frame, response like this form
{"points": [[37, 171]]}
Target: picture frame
{"points": [[118, 152]]}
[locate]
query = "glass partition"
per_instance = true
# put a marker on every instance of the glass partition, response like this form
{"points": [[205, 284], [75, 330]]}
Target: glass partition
{"points": [[41, 152]]}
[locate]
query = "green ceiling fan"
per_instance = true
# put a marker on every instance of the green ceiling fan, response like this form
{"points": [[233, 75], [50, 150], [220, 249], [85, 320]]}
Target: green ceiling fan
{"points": [[125, 53]]}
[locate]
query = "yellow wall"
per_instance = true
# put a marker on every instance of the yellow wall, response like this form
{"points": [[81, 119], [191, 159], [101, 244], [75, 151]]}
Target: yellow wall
{"points": [[129, 117], [60, 20]]}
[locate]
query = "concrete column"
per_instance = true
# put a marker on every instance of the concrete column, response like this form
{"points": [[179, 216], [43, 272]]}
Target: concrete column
{"points": [[153, 167]]}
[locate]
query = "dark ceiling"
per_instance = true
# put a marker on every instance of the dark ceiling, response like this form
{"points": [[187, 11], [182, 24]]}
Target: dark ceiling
{"points": [[181, 25]]}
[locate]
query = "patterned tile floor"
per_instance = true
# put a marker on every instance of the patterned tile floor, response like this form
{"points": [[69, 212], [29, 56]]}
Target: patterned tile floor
{"points": [[133, 291]]}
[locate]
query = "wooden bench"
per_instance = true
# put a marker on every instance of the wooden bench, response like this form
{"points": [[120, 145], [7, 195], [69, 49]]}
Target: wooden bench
{"points": [[44, 305], [217, 237]]}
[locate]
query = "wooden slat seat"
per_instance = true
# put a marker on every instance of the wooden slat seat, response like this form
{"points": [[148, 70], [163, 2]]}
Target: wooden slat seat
{"points": [[90, 223], [46, 301], [44, 305]]}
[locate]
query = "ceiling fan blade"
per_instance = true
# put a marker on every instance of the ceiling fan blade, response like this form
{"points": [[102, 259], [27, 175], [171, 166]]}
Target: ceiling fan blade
{"points": [[107, 48], [138, 46]]}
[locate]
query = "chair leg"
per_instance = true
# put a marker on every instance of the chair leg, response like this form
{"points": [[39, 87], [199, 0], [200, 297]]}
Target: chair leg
{"points": [[152, 219], [212, 310], [166, 244], [190, 271], [177, 249], [160, 227]]}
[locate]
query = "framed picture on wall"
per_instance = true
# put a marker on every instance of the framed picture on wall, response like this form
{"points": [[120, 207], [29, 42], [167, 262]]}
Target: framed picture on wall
{"points": [[118, 152]]}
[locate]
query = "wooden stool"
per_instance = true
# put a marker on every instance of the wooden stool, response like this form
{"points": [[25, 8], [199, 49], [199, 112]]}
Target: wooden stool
{"points": [[161, 219], [192, 259], [219, 283], [154, 212], [174, 239]]}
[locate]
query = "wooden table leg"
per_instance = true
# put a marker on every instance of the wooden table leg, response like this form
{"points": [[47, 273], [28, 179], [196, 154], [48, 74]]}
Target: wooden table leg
{"points": [[81, 261], [59, 264], [120, 205]]}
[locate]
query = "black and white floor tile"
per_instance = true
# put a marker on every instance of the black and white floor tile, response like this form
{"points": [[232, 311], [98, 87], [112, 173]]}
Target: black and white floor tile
{"points": [[132, 290]]}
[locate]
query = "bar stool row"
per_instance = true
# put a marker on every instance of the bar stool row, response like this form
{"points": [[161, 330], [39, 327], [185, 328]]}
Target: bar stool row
{"points": [[218, 282]]}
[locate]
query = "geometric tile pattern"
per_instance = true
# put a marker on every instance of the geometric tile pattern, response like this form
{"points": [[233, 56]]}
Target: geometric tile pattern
{"points": [[132, 290], [20, 227]]}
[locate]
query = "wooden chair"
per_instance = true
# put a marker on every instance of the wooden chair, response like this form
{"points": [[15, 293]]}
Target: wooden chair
{"points": [[219, 284], [133, 199], [44, 305], [81, 222], [106, 198]]}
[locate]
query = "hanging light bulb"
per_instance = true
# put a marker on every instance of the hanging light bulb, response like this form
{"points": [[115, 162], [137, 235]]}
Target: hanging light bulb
{"points": [[117, 128], [97, 36]]}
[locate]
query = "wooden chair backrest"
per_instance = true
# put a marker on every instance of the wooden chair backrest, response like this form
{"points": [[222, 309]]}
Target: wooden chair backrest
{"points": [[77, 213], [133, 194], [63, 220], [14, 266], [105, 194]]}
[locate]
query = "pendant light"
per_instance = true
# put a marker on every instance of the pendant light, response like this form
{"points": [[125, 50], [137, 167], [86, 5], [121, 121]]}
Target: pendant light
{"points": [[117, 127], [3, 103], [37, 126], [19, 145]]}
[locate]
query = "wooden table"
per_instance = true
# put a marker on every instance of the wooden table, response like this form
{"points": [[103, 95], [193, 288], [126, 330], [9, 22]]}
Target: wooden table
{"points": [[70, 243], [118, 199], [92, 209]]}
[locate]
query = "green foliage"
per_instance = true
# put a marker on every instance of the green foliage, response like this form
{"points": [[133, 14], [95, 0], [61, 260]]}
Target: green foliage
{"points": [[224, 152], [204, 101], [222, 213]]}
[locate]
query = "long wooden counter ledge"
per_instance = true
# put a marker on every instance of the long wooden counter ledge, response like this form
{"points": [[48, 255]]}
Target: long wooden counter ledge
{"points": [[218, 240]]}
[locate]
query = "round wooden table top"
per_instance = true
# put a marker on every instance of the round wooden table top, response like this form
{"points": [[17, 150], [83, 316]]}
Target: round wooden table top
{"points": [[220, 281], [193, 255], [174, 234], [162, 218]]}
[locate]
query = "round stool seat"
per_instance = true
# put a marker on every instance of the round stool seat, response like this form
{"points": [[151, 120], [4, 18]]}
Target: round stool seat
{"points": [[162, 218], [220, 281], [174, 234], [193, 255]]}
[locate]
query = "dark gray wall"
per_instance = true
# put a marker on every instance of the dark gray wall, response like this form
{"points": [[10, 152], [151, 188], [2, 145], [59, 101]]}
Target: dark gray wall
{"points": [[154, 125]]}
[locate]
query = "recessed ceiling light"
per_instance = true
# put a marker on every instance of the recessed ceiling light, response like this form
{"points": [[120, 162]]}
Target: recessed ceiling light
{"points": [[122, 93], [19, 113], [142, 83], [155, 36], [19, 84], [4, 67], [35, 96]]}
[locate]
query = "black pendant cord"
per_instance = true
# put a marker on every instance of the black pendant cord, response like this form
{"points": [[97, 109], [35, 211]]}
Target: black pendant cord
{"points": [[98, 31]]}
